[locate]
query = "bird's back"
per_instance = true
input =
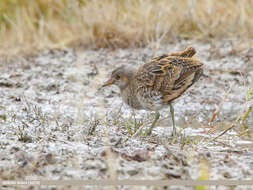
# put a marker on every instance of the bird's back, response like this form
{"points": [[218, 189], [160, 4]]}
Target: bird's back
{"points": [[166, 77]]}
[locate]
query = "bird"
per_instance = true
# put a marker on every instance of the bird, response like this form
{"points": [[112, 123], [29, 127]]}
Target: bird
{"points": [[157, 83]]}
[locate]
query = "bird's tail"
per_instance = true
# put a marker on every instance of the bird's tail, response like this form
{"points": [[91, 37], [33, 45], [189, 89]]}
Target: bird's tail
{"points": [[188, 52]]}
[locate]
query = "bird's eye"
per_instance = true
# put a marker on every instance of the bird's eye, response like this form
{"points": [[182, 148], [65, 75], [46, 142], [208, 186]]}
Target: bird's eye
{"points": [[117, 77]]}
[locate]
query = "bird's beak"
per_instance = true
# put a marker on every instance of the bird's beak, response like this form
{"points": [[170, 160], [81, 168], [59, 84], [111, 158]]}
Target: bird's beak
{"points": [[109, 82]]}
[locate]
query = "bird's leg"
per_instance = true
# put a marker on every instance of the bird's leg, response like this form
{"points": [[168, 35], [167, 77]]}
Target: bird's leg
{"points": [[157, 115], [135, 122], [174, 132]]}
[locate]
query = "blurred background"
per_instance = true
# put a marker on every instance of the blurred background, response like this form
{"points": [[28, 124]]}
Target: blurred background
{"points": [[30, 25]]}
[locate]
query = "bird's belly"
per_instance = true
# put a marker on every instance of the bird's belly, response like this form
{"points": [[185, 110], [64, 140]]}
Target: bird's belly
{"points": [[151, 104], [151, 100]]}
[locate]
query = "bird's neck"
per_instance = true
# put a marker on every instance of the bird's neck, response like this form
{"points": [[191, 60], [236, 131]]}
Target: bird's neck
{"points": [[130, 72], [128, 95]]}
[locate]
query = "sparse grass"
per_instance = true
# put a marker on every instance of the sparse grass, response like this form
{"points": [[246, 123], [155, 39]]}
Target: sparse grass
{"points": [[92, 126], [33, 119], [27, 25], [242, 116]]}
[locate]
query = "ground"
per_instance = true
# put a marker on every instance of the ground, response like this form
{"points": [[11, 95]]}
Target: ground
{"points": [[56, 122]]}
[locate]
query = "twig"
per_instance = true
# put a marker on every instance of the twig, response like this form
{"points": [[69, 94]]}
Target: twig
{"points": [[190, 120], [219, 107], [54, 139], [231, 127], [247, 131]]}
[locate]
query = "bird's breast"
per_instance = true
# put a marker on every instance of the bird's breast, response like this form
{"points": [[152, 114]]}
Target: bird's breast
{"points": [[129, 97]]}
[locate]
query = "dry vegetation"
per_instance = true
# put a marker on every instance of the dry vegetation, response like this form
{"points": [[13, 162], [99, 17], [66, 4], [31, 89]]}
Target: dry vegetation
{"points": [[34, 25]]}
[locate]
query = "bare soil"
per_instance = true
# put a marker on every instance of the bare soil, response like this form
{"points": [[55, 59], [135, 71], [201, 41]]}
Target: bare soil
{"points": [[56, 124]]}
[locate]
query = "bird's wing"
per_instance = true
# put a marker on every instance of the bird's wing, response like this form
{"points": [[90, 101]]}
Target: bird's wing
{"points": [[190, 71], [188, 67], [188, 52], [153, 74], [168, 75]]}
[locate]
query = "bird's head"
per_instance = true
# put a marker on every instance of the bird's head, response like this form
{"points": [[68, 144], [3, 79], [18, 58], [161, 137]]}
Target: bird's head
{"points": [[121, 77]]}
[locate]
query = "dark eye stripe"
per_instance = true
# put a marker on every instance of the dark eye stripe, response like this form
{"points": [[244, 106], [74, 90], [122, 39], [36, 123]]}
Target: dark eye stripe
{"points": [[117, 77]]}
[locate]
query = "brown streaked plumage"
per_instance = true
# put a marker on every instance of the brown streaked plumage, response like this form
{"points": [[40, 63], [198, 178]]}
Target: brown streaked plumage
{"points": [[157, 83]]}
